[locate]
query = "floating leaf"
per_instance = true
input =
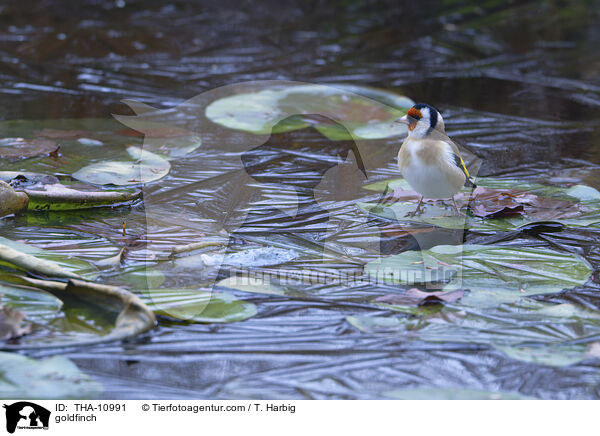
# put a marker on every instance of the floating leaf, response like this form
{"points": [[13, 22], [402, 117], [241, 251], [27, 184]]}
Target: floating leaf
{"points": [[11, 326], [19, 148], [492, 274], [198, 306], [146, 167], [365, 112], [59, 197], [52, 378]]}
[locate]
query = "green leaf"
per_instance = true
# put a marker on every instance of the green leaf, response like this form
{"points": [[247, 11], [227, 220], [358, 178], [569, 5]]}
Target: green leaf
{"points": [[493, 274], [198, 306], [45, 262], [54, 378], [146, 167]]}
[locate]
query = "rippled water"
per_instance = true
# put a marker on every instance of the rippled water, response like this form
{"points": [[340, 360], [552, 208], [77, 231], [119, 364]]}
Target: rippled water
{"points": [[518, 83]]}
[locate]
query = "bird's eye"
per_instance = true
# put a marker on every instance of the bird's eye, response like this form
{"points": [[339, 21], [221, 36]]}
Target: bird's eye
{"points": [[415, 113]]}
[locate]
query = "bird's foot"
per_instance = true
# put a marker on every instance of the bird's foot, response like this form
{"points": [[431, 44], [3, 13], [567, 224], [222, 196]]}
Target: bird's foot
{"points": [[417, 212]]}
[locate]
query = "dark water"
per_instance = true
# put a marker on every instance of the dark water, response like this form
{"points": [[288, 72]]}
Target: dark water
{"points": [[517, 82]]}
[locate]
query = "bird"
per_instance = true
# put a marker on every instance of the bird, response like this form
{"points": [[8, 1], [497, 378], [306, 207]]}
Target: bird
{"points": [[428, 159]]}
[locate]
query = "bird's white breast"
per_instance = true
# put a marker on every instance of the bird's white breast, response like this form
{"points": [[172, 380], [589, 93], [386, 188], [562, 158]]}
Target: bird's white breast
{"points": [[432, 178]]}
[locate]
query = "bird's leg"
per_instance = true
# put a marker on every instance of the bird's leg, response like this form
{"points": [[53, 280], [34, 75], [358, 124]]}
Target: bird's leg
{"points": [[418, 211], [456, 207]]}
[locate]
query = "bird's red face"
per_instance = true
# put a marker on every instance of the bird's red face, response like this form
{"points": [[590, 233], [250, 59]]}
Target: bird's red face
{"points": [[414, 115]]}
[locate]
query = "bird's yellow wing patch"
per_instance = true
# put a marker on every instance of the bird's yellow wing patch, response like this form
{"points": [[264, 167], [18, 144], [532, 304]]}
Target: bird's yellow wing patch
{"points": [[464, 167], [461, 164]]}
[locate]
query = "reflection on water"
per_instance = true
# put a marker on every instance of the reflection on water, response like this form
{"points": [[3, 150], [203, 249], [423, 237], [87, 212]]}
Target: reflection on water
{"points": [[518, 83]]}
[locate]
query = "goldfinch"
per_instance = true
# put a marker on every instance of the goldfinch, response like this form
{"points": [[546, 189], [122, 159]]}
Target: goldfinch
{"points": [[428, 160]]}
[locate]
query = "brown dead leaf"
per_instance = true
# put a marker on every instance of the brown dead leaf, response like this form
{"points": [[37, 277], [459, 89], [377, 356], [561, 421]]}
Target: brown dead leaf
{"points": [[10, 324], [19, 148], [416, 297], [494, 203]]}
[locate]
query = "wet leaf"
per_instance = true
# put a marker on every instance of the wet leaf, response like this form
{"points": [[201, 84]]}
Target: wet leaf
{"points": [[14, 149], [417, 297], [492, 274], [31, 259], [59, 197], [52, 378], [493, 203], [198, 306], [145, 168], [11, 201], [365, 112]]}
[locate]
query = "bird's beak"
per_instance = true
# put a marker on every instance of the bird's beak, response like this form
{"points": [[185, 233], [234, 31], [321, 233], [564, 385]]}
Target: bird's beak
{"points": [[403, 120]]}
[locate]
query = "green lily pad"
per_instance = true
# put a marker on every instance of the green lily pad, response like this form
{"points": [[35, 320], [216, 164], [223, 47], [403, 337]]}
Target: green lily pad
{"points": [[53, 378], [442, 214], [494, 275], [146, 167], [366, 113], [198, 306]]}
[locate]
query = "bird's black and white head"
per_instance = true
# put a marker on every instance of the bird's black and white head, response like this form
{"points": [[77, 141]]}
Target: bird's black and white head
{"points": [[422, 120]]}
